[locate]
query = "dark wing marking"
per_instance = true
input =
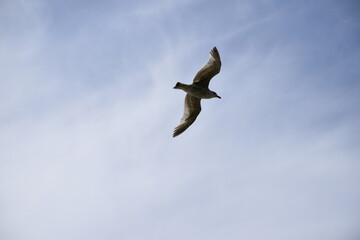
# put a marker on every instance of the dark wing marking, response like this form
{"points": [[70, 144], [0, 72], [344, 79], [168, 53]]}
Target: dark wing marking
{"points": [[192, 109], [209, 70]]}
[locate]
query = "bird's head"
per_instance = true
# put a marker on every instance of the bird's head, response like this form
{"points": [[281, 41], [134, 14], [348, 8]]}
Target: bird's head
{"points": [[215, 95]]}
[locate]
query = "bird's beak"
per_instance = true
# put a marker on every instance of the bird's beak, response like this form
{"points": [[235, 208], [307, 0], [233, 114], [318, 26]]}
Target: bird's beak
{"points": [[218, 97]]}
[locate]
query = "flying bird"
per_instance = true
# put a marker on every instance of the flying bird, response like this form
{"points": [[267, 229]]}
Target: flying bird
{"points": [[198, 90]]}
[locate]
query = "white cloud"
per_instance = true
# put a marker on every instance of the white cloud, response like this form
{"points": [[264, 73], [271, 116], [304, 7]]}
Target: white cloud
{"points": [[87, 117]]}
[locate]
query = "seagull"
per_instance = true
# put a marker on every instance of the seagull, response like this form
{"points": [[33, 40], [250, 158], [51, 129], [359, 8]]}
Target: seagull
{"points": [[198, 90]]}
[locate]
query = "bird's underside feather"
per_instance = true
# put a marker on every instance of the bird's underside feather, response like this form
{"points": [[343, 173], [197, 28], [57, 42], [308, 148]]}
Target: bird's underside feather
{"points": [[192, 109], [209, 70]]}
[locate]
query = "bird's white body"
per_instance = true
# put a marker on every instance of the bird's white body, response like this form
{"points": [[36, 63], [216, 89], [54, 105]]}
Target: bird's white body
{"points": [[196, 91]]}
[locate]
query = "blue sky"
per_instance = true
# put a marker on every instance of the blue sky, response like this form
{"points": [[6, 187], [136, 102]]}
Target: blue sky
{"points": [[87, 112]]}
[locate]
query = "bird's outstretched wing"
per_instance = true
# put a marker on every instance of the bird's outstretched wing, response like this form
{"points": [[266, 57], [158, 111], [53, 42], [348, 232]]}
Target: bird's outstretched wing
{"points": [[209, 70], [192, 109]]}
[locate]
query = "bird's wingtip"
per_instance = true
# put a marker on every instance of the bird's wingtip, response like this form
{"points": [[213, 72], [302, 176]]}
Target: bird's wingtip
{"points": [[175, 134], [214, 52]]}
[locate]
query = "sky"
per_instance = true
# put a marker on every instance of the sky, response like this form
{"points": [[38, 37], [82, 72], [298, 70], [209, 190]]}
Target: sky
{"points": [[87, 110]]}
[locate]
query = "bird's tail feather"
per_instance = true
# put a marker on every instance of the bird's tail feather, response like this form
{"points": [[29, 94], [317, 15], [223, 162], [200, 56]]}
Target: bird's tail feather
{"points": [[178, 85]]}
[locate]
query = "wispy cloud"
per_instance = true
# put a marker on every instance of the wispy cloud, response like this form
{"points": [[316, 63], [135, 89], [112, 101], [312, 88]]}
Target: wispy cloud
{"points": [[87, 112]]}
